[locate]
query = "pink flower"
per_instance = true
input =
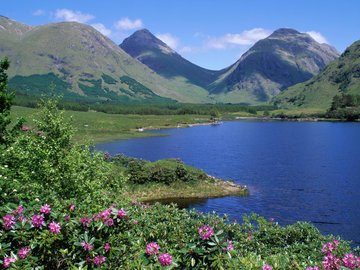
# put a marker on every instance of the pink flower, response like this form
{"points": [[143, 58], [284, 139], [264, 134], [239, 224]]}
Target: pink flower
{"points": [[330, 247], [20, 209], [23, 252], [54, 227], [135, 222], [109, 222], [351, 261], [25, 128], [9, 221], [230, 246], [152, 248], [205, 232], [85, 221], [165, 259], [87, 246], [104, 215], [8, 261], [107, 247], [313, 268], [37, 221], [331, 262], [67, 218], [45, 209], [121, 213], [98, 260], [267, 267], [72, 207]]}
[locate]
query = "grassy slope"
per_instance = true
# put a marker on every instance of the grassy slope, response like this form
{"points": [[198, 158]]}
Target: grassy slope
{"points": [[70, 50], [340, 76], [100, 127]]}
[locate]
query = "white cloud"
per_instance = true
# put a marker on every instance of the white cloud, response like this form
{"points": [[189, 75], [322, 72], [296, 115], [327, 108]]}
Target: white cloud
{"points": [[170, 40], [72, 16], [127, 24], [38, 12], [245, 38], [102, 29], [317, 36]]}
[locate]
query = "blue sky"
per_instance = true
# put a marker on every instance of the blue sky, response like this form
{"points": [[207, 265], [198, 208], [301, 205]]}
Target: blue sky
{"points": [[210, 33]]}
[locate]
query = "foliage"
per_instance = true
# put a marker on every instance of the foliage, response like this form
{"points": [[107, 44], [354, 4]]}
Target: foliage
{"points": [[345, 106], [163, 171], [119, 237], [6, 99], [43, 162]]}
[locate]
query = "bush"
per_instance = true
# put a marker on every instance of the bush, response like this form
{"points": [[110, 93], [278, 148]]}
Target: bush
{"points": [[43, 162], [140, 236]]}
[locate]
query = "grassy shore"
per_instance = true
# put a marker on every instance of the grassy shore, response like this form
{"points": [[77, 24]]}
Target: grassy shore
{"points": [[101, 127], [199, 189]]}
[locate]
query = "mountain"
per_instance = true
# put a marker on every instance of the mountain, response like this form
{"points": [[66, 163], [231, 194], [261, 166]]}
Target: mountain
{"points": [[158, 56], [83, 64], [283, 59], [341, 76]]}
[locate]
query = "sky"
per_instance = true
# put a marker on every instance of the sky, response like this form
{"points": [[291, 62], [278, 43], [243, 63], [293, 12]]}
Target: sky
{"points": [[210, 33]]}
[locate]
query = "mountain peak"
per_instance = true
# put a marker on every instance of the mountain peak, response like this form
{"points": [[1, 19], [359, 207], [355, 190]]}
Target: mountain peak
{"points": [[285, 32], [143, 39]]}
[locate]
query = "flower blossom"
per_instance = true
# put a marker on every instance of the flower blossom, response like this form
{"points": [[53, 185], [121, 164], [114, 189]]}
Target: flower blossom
{"points": [[205, 232], [98, 260], [312, 268], [87, 246], [152, 248], [37, 221], [8, 261], [230, 246], [45, 209], [85, 221], [54, 227], [331, 262], [107, 247], [9, 221], [267, 267], [350, 261], [121, 213], [23, 252], [165, 259], [109, 222]]}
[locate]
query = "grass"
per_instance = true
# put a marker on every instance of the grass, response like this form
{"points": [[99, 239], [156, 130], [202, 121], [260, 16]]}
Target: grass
{"points": [[101, 127], [197, 189]]}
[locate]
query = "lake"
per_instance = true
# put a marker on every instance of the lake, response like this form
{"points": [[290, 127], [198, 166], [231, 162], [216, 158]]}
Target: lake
{"points": [[296, 171]]}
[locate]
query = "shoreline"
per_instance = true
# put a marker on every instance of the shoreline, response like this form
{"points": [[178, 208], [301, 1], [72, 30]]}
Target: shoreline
{"points": [[216, 188]]}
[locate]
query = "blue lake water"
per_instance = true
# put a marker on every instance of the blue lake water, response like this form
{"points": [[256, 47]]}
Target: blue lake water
{"points": [[306, 171]]}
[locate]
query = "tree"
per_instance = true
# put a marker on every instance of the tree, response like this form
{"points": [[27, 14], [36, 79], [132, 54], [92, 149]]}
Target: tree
{"points": [[6, 99]]}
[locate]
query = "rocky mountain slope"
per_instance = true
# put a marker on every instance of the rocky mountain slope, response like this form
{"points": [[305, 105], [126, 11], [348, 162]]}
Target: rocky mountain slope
{"points": [[283, 59]]}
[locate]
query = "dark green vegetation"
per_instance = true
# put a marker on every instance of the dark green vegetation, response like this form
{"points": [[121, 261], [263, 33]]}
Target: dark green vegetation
{"points": [[89, 223], [171, 178], [86, 66], [340, 78]]}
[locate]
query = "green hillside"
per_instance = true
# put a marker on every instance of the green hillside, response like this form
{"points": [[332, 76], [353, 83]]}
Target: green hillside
{"points": [[342, 76], [83, 64]]}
